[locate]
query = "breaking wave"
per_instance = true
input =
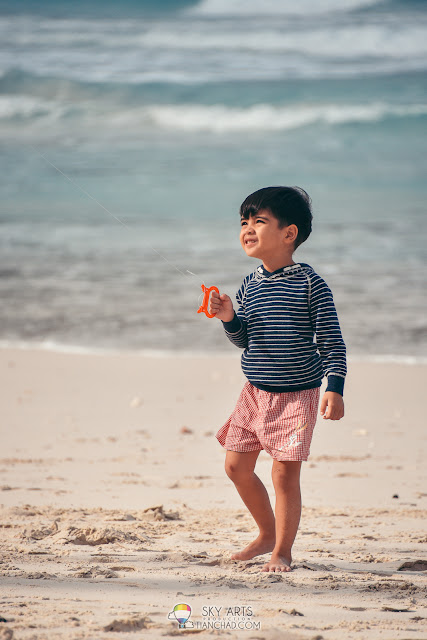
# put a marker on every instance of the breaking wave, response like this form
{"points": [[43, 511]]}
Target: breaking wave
{"points": [[276, 7], [197, 117]]}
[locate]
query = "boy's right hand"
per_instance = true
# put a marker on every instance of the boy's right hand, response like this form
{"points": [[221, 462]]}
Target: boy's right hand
{"points": [[221, 306]]}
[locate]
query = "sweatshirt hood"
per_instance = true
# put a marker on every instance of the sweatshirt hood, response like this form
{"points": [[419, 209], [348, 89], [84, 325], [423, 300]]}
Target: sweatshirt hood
{"points": [[284, 272]]}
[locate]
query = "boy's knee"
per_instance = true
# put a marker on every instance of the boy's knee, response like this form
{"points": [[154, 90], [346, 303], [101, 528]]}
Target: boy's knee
{"points": [[231, 469], [235, 470]]}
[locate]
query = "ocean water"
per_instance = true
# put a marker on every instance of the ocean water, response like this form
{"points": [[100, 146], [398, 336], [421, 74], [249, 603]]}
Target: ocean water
{"points": [[131, 132]]}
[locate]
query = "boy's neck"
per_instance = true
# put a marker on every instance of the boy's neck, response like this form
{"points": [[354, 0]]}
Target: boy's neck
{"points": [[275, 264]]}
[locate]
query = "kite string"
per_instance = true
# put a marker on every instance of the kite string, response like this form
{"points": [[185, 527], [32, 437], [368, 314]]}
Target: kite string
{"points": [[186, 273]]}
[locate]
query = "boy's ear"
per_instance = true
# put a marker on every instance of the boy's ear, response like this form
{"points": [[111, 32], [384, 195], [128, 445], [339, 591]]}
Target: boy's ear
{"points": [[291, 232]]}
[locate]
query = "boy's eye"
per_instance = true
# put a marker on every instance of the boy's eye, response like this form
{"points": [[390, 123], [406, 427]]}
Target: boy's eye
{"points": [[260, 220], [243, 222]]}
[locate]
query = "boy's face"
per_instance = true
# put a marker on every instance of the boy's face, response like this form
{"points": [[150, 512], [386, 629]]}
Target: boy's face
{"points": [[262, 238]]}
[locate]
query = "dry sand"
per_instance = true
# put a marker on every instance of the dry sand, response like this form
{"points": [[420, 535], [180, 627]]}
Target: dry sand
{"points": [[115, 506]]}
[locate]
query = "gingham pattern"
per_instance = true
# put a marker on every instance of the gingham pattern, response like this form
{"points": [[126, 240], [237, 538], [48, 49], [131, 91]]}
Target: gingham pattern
{"points": [[280, 423]]}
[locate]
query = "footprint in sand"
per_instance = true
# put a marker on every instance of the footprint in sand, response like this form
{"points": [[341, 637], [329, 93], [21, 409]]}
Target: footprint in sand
{"points": [[414, 565], [129, 624]]}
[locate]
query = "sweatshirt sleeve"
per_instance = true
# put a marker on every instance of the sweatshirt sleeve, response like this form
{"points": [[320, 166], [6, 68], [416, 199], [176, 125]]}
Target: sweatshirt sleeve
{"points": [[329, 340], [236, 329]]}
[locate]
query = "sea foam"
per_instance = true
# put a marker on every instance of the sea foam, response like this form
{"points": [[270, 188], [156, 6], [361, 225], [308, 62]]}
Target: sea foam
{"points": [[276, 7], [209, 118]]}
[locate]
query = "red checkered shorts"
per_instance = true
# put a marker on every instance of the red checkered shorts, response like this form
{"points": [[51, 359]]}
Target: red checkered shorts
{"points": [[280, 423]]}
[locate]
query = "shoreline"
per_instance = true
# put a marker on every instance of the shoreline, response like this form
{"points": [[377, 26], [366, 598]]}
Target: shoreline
{"points": [[73, 349]]}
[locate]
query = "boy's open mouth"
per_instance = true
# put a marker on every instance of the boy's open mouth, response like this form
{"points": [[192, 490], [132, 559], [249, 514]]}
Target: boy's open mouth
{"points": [[250, 240]]}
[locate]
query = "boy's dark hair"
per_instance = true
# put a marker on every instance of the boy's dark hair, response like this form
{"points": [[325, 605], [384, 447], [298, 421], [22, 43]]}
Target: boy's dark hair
{"points": [[290, 205]]}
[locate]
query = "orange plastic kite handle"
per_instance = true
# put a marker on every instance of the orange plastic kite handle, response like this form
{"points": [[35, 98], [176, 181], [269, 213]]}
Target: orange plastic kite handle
{"points": [[204, 306]]}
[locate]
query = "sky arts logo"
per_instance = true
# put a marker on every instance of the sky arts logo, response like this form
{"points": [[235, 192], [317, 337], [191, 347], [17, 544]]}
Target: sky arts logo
{"points": [[218, 618], [228, 618]]}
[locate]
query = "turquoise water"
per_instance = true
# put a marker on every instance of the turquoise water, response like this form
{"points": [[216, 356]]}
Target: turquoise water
{"points": [[169, 119]]}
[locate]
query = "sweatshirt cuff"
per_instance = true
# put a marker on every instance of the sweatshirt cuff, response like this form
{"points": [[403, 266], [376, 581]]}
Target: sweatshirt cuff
{"points": [[233, 326], [335, 384]]}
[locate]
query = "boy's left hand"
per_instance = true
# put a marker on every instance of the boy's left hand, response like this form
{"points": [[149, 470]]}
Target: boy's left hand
{"points": [[332, 406]]}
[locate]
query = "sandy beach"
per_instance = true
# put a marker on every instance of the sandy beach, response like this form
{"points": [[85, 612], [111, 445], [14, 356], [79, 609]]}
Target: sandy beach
{"points": [[115, 506]]}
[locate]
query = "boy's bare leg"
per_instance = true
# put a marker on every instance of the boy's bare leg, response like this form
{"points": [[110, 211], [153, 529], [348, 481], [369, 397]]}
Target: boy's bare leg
{"points": [[286, 481], [240, 469]]}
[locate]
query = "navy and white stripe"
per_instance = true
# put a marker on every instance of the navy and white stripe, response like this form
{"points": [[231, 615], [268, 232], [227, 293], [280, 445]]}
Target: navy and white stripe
{"points": [[288, 327]]}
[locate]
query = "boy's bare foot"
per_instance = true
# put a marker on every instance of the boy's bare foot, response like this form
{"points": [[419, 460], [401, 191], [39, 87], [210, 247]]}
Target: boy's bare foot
{"points": [[278, 563], [255, 548]]}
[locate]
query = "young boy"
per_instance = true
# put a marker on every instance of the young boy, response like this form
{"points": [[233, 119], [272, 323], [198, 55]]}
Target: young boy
{"points": [[283, 306]]}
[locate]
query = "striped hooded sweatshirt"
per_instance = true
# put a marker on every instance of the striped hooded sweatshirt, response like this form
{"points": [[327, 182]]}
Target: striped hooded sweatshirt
{"points": [[288, 327]]}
